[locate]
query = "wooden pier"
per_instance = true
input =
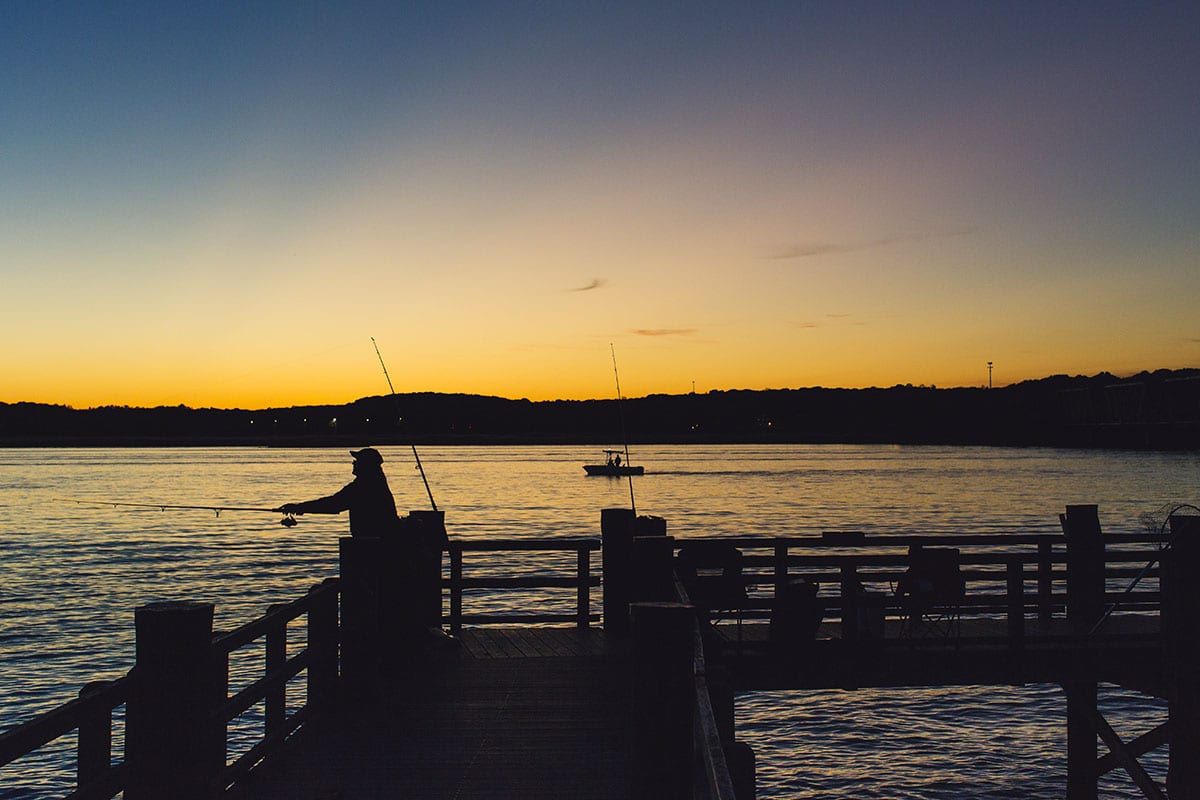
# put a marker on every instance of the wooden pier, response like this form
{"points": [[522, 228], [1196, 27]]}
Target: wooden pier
{"points": [[636, 699]]}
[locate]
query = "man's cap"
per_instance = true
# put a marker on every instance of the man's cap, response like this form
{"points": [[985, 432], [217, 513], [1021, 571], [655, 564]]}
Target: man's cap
{"points": [[368, 455]]}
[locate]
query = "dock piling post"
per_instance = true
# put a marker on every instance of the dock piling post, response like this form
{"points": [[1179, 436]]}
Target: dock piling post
{"points": [[360, 564], [1180, 619], [1082, 700], [1045, 582], [850, 591], [617, 531], [95, 738], [1085, 567], [663, 700], [1016, 603], [1085, 605], [421, 559], [323, 643], [174, 744], [653, 568]]}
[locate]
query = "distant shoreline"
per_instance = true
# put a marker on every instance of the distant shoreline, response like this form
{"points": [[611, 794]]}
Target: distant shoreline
{"points": [[1174, 440], [1151, 411]]}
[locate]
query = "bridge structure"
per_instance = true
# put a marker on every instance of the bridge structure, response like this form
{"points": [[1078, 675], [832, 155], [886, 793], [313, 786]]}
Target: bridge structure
{"points": [[626, 685]]}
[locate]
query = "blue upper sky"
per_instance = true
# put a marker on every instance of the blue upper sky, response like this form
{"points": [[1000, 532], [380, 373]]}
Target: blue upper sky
{"points": [[740, 194]]}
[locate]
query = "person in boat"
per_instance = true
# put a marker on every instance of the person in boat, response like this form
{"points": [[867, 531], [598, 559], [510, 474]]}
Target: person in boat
{"points": [[617, 460], [368, 498]]}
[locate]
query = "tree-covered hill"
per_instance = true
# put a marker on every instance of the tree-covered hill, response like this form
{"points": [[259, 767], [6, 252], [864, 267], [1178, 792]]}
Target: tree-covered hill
{"points": [[1150, 410]]}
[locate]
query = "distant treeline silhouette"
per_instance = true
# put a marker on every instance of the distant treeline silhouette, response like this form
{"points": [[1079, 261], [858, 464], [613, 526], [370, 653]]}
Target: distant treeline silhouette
{"points": [[1159, 410]]}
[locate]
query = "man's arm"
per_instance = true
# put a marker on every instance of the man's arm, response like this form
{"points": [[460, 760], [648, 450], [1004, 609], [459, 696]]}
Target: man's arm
{"points": [[333, 504]]}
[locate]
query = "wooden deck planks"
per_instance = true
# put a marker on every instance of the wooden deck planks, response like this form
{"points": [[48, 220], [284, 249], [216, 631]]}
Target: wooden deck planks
{"points": [[517, 713], [500, 643]]}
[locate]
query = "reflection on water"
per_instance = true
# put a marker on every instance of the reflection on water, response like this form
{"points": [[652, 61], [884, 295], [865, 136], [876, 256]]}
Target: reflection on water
{"points": [[73, 573]]}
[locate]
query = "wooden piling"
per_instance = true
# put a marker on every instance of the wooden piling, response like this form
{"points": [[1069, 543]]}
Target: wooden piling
{"points": [[653, 568], [1181, 620], [663, 700], [174, 744], [1085, 605], [1016, 603], [851, 587], [421, 558], [360, 562], [1082, 699], [95, 737], [1085, 567], [617, 531], [1045, 582], [323, 643]]}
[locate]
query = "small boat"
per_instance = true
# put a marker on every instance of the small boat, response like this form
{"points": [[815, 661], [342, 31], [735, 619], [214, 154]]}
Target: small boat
{"points": [[612, 466]]}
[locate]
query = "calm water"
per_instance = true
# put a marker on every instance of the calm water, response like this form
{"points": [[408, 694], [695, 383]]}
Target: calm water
{"points": [[73, 574]]}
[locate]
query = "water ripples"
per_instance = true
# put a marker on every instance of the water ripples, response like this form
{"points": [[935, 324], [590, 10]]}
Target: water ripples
{"points": [[74, 573]]}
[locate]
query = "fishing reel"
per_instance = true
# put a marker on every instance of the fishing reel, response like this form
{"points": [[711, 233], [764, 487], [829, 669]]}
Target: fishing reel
{"points": [[289, 521]]}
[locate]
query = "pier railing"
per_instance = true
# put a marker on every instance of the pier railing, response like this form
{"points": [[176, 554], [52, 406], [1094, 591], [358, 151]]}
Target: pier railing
{"points": [[176, 701], [1012, 577], [318, 658], [178, 706], [531, 575]]}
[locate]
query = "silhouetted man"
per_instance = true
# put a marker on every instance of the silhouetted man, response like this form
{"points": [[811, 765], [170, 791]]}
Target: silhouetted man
{"points": [[368, 498]]}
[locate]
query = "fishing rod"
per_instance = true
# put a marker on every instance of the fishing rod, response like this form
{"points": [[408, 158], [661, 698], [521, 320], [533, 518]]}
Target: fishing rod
{"points": [[425, 480], [1113, 606], [288, 521], [621, 421]]}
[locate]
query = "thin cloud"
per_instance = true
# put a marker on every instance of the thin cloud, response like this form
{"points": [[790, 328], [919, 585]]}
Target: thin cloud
{"points": [[810, 249], [664, 331], [595, 284]]}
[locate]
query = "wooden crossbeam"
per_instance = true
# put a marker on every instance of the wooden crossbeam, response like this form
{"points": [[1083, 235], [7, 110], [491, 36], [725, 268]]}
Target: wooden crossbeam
{"points": [[1143, 744], [1123, 754]]}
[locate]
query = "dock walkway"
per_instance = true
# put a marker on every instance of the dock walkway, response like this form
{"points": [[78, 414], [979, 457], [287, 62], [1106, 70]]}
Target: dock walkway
{"points": [[530, 713]]}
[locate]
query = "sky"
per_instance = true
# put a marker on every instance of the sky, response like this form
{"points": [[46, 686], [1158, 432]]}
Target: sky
{"points": [[222, 204]]}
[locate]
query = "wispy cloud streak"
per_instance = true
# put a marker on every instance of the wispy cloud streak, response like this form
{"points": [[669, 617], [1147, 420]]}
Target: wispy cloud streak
{"points": [[596, 283], [810, 249], [664, 331]]}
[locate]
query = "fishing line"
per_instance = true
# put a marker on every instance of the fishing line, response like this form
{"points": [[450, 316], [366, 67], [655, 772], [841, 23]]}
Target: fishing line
{"points": [[288, 521], [621, 421], [1163, 547], [425, 480]]}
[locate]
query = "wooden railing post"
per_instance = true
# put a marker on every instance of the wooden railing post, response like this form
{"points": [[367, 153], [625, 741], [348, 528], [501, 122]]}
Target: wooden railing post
{"points": [[1016, 603], [276, 655], [1085, 605], [1045, 582], [360, 566], [1181, 619], [323, 643], [663, 700], [422, 564], [1085, 567], [617, 528], [456, 591], [850, 590], [1082, 698], [781, 571], [583, 577], [653, 568], [95, 738], [174, 745]]}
